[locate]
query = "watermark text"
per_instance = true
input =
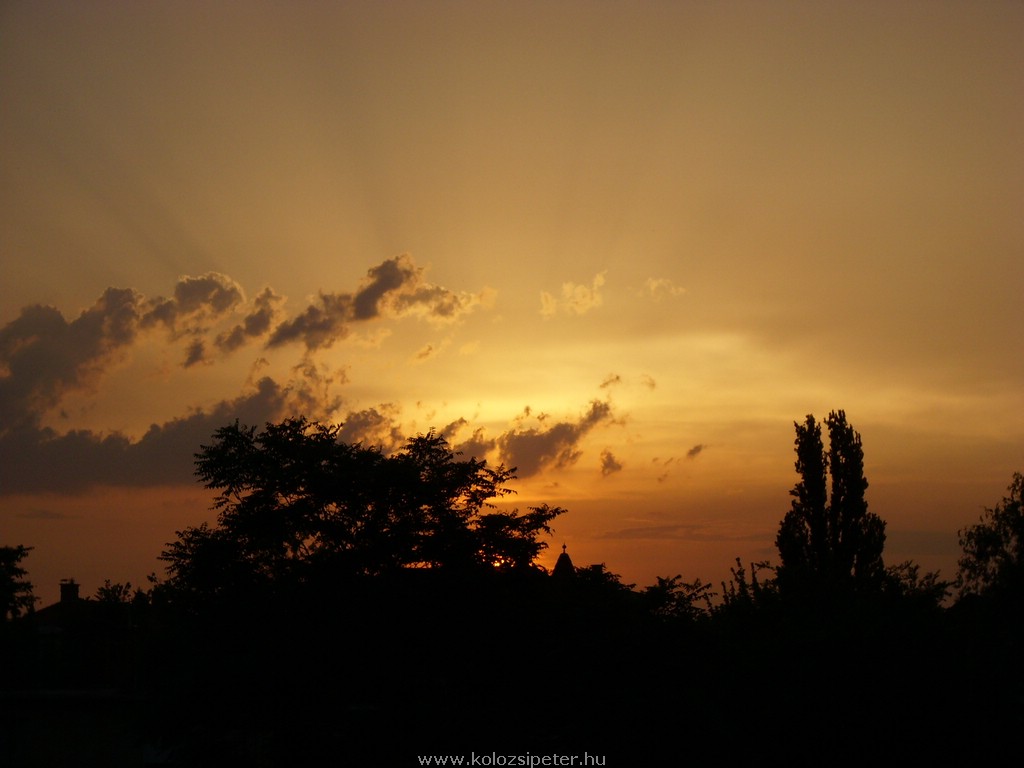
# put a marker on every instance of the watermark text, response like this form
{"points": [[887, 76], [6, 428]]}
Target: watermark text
{"points": [[529, 759]]}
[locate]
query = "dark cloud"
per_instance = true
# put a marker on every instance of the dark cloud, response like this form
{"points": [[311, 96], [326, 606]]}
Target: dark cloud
{"points": [[648, 381], [394, 287], [531, 450], [397, 286], [231, 340], [373, 427], [436, 303], [213, 290], [256, 323], [319, 325], [450, 430], [388, 276], [196, 300], [311, 389], [42, 355], [696, 451], [38, 459], [609, 464], [477, 446], [612, 378], [196, 353]]}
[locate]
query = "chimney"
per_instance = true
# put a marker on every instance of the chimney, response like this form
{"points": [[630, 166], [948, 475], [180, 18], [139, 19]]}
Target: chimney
{"points": [[68, 591]]}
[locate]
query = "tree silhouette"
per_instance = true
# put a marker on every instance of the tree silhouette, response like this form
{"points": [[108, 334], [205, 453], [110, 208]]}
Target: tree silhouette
{"points": [[905, 582], [673, 598], [116, 593], [741, 594], [15, 590], [295, 504], [828, 542], [993, 549]]}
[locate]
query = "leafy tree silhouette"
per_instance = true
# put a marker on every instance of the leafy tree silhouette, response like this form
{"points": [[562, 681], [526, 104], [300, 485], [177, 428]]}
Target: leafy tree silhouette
{"points": [[16, 595], [993, 549], [741, 594], [673, 598], [117, 593], [828, 542], [905, 582], [374, 570], [295, 504]]}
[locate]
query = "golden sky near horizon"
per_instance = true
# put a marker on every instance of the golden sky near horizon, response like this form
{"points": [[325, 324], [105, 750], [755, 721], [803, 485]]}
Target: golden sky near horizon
{"points": [[622, 246]]}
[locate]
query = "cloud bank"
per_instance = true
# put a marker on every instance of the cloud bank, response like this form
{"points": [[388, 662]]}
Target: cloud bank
{"points": [[44, 356], [38, 459], [41, 460]]}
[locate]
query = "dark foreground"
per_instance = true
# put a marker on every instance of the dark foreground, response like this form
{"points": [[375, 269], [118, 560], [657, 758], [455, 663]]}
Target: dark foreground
{"points": [[388, 673]]}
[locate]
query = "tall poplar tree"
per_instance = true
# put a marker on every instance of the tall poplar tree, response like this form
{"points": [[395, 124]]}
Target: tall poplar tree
{"points": [[828, 541]]}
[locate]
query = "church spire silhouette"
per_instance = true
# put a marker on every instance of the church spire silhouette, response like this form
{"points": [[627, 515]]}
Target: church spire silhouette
{"points": [[563, 566]]}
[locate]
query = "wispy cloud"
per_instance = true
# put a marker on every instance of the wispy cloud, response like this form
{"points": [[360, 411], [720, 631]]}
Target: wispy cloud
{"points": [[430, 351], [575, 299], [663, 465], [681, 531], [43, 514], [658, 288]]}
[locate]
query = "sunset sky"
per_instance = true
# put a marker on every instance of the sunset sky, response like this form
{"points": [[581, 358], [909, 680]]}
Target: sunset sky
{"points": [[620, 245]]}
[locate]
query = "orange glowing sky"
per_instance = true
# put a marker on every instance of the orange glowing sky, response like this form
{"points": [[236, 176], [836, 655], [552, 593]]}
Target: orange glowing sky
{"points": [[621, 245]]}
